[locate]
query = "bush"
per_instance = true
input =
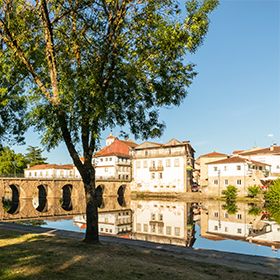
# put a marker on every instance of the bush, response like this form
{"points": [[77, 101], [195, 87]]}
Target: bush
{"points": [[230, 193], [230, 206], [253, 191], [272, 196]]}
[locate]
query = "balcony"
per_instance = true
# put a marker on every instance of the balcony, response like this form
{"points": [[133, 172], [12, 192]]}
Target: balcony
{"points": [[156, 168]]}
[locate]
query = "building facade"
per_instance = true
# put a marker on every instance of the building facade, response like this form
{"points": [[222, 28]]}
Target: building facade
{"points": [[163, 167], [236, 171]]}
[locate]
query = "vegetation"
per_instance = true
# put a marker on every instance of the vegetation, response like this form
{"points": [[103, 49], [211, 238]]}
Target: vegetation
{"points": [[34, 156], [272, 199], [230, 206], [254, 209], [230, 193], [96, 64], [254, 191], [42, 257], [11, 163]]}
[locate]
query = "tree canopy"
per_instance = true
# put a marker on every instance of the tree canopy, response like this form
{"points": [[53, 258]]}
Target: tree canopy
{"points": [[94, 64], [34, 156]]}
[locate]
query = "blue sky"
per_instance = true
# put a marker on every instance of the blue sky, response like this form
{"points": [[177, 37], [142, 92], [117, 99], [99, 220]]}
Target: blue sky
{"points": [[234, 101]]}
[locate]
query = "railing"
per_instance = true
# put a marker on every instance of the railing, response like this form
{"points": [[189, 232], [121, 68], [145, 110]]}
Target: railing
{"points": [[156, 168]]}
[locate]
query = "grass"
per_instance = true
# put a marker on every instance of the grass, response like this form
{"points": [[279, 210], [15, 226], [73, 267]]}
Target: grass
{"points": [[34, 256]]}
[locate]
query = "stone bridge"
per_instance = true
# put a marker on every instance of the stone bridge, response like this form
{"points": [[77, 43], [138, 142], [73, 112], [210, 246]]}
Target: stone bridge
{"points": [[24, 198]]}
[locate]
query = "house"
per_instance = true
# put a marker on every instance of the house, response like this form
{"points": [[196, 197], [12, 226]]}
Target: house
{"points": [[114, 160], [269, 155], [50, 171], [237, 171], [201, 166], [163, 167]]}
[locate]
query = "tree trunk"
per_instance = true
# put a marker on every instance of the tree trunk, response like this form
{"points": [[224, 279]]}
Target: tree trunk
{"points": [[92, 235]]}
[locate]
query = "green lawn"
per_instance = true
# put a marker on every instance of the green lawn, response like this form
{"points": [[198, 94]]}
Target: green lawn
{"points": [[33, 256]]}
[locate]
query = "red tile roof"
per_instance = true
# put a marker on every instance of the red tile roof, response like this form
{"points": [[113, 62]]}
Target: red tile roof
{"points": [[262, 151], [117, 148], [51, 166], [236, 159], [214, 154]]}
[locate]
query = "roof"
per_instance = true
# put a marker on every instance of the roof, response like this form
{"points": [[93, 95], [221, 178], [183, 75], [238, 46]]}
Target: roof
{"points": [[117, 148], [130, 143], [237, 159], [171, 143], [262, 151], [214, 154], [51, 166]]}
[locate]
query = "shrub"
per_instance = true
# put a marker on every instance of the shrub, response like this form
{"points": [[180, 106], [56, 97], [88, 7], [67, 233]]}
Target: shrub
{"points": [[273, 193], [253, 191], [230, 193]]}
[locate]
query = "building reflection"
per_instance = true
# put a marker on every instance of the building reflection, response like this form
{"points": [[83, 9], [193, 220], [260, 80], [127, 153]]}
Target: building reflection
{"points": [[219, 222]]}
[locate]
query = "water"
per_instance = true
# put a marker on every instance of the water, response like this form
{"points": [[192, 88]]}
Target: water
{"points": [[205, 225]]}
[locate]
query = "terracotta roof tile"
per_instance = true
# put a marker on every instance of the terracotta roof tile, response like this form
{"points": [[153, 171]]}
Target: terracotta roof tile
{"points": [[236, 159], [117, 148], [51, 166], [214, 154], [262, 151]]}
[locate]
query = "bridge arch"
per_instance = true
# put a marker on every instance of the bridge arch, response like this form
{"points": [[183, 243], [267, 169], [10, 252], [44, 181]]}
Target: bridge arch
{"points": [[66, 199], [121, 198], [10, 200], [42, 198], [99, 190]]}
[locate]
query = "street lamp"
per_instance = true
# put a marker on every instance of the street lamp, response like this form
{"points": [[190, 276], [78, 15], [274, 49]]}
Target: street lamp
{"points": [[219, 183]]}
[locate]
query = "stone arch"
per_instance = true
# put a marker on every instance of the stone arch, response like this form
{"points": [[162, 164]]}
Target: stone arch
{"points": [[66, 199], [121, 199], [42, 198], [99, 190], [10, 200]]}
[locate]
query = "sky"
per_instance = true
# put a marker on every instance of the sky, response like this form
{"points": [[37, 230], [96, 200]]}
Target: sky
{"points": [[234, 101]]}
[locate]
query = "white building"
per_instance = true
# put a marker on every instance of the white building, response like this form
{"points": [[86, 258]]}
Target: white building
{"points": [[163, 222], [50, 171], [114, 161], [270, 155], [163, 167], [112, 222], [236, 171]]}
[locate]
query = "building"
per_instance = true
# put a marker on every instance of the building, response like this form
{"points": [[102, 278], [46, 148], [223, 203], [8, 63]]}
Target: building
{"points": [[236, 171], [50, 171], [270, 155], [169, 222], [201, 166], [163, 167], [114, 160]]}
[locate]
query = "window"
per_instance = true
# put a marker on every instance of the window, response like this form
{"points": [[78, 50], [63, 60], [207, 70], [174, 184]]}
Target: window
{"points": [[145, 164], [106, 159], [215, 227], [138, 227], [126, 177], [102, 229], [153, 164], [177, 231], [168, 230], [153, 228], [106, 169], [145, 228], [216, 214], [225, 168], [215, 168], [155, 187], [35, 174], [160, 217], [160, 230], [119, 176], [277, 166], [160, 163], [176, 162], [216, 182], [101, 159], [160, 175], [226, 215], [146, 153], [238, 182], [238, 167], [168, 163], [153, 175], [111, 231], [153, 217], [41, 173], [226, 182], [110, 159], [138, 164], [106, 230], [226, 229], [239, 216], [239, 230], [30, 174]]}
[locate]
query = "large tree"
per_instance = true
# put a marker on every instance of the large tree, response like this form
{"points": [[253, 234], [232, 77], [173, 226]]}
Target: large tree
{"points": [[95, 64]]}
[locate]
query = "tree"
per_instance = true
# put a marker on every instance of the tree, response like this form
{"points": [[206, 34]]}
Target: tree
{"points": [[95, 64], [253, 191], [34, 156], [230, 193], [11, 163]]}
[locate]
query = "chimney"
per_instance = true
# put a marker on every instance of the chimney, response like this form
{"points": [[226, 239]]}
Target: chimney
{"points": [[272, 147]]}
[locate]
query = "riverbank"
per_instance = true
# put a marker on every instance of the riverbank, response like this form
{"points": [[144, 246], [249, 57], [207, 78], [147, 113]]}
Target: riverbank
{"points": [[55, 254]]}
